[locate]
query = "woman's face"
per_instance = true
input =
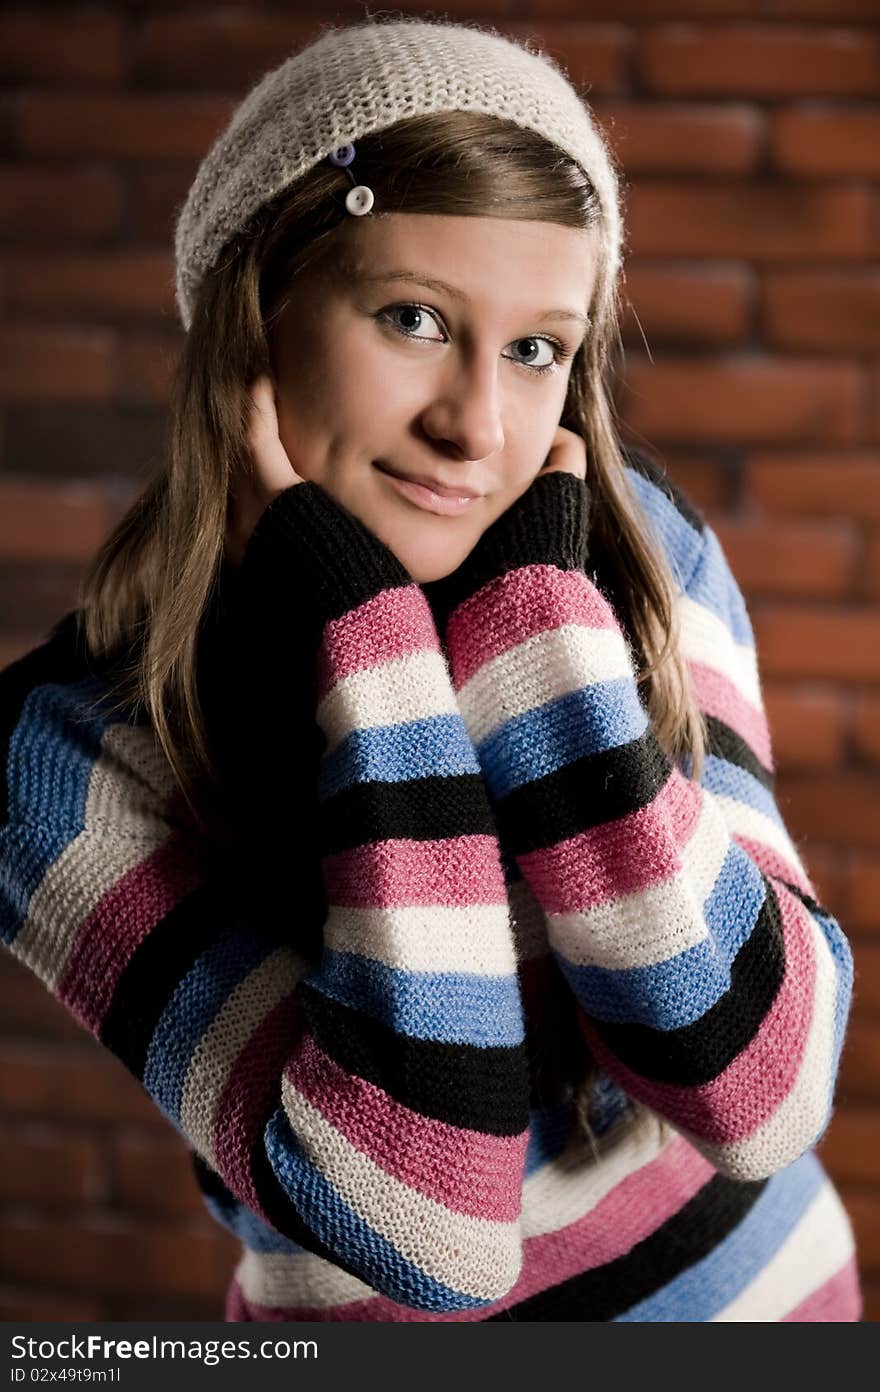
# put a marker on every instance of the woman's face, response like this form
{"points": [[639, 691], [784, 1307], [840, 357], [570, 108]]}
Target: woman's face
{"points": [[380, 368]]}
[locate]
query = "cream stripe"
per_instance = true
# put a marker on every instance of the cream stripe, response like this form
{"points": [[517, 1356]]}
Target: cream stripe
{"points": [[474, 938], [742, 820], [705, 638], [414, 687], [472, 1255], [297, 1279], [222, 1042], [539, 670], [796, 1122], [815, 1251], [570, 1186], [131, 783], [652, 925]]}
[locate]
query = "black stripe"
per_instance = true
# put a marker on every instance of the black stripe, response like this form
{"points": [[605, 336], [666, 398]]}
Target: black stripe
{"points": [[423, 809], [699, 1052], [156, 968], [726, 744], [652, 470], [582, 794], [480, 1089], [683, 1240]]}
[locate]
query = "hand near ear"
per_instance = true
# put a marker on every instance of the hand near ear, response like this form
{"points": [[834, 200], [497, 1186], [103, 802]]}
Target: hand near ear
{"points": [[568, 455], [272, 472]]}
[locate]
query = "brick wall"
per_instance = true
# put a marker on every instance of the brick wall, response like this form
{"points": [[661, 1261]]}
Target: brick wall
{"points": [[750, 135]]}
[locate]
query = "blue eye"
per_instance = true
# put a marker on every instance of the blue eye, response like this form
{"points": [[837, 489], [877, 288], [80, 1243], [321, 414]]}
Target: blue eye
{"points": [[416, 312]]}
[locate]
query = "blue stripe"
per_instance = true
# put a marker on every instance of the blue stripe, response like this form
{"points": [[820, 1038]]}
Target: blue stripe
{"points": [[714, 586], [669, 995], [341, 1230], [707, 1287], [52, 752], [589, 721], [248, 1227], [732, 781], [190, 1010], [435, 747], [681, 542], [26, 853], [450, 1007]]}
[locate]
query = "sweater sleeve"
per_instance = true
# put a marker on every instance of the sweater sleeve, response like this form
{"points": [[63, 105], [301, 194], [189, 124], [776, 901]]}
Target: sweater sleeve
{"points": [[710, 982], [371, 1105]]}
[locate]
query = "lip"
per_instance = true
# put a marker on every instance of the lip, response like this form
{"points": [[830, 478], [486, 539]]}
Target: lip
{"points": [[431, 496]]}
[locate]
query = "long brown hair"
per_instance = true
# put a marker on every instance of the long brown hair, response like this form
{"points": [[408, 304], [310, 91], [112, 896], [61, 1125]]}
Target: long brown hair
{"points": [[149, 586]]}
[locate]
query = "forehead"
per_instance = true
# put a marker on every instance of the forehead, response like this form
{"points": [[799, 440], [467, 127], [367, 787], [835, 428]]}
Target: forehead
{"points": [[490, 261]]}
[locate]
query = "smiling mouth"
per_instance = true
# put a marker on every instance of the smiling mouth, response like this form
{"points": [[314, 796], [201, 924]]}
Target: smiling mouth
{"points": [[424, 497]]}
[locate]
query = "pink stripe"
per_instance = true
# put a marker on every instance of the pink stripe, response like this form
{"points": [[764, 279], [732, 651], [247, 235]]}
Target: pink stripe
{"points": [[119, 923], [716, 695], [251, 1096], [742, 1098], [632, 853], [773, 863], [465, 1171], [838, 1301], [388, 874], [391, 625], [519, 604], [634, 1209]]}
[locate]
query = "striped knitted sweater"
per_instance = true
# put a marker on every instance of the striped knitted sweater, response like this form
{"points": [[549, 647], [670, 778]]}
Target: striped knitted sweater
{"points": [[444, 796]]}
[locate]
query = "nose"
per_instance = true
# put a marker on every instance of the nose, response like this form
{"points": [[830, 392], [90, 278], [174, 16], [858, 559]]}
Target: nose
{"points": [[465, 412]]}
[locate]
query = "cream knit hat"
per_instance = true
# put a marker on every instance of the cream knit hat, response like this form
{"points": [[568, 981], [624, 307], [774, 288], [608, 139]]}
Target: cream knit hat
{"points": [[360, 79]]}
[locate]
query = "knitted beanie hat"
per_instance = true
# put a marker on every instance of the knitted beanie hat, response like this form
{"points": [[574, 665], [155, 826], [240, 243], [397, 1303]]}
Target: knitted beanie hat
{"points": [[360, 79]]}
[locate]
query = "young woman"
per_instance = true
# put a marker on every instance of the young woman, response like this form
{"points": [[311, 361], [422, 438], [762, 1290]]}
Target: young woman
{"points": [[398, 803]]}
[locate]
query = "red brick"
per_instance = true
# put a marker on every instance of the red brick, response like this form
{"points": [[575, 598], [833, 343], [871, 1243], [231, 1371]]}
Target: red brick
{"points": [[822, 9], [866, 728], [870, 570], [123, 283], [704, 479], [825, 310], [48, 205], [649, 137], [85, 1084], [28, 1007], [131, 126], [157, 195], [824, 485], [824, 866], [144, 367], [871, 1298], [155, 1177], [759, 60], [107, 1255], [827, 141], [66, 521], [594, 55], [49, 1167], [858, 1065], [686, 304], [866, 958], [34, 594], [222, 48], [799, 558], [744, 399], [863, 897], [55, 363], [863, 1207], [79, 47], [637, 9], [824, 642], [758, 222], [850, 1146], [807, 799], [17, 1304], [808, 725]]}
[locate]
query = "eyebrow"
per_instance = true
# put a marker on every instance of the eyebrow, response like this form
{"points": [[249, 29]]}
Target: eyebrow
{"points": [[416, 278]]}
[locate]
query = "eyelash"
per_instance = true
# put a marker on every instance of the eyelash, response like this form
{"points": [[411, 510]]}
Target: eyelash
{"points": [[561, 353]]}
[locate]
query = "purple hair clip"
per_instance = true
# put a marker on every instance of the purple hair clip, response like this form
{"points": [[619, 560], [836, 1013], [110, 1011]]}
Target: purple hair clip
{"points": [[359, 199]]}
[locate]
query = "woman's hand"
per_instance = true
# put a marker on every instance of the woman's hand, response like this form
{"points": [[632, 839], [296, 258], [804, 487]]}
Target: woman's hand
{"points": [[568, 455], [273, 472]]}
